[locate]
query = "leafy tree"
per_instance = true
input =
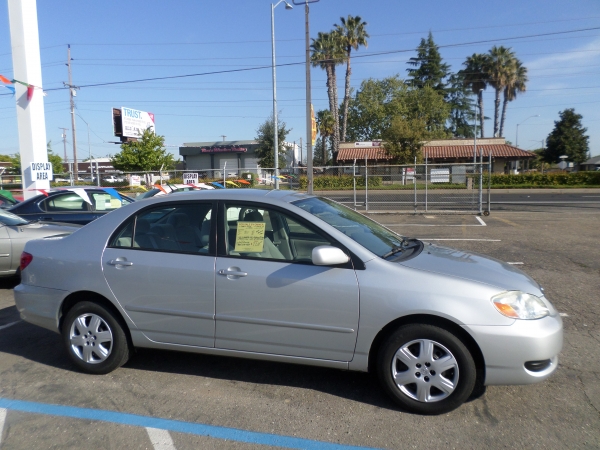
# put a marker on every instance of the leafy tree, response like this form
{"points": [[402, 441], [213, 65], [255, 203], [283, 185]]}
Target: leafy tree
{"points": [[374, 105], [404, 139], [461, 114], [567, 138], [54, 159], [327, 52], [427, 105], [498, 67], [515, 84], [5, 158], [325, 126], [428, 68], [353, 35], [146, 154], [319, 155], [475, 77], [265, 138]]}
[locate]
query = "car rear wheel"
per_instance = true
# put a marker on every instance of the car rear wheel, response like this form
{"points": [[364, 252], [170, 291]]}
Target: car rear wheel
{"points": [[426, 369], [94, 338]]}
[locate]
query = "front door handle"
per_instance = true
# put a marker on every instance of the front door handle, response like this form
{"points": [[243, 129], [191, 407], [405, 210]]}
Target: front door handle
{"points": [[120, 262], [235, 273]]}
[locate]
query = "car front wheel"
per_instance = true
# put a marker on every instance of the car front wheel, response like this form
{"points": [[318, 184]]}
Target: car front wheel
{"points": [[94, 338], [426, 369]]}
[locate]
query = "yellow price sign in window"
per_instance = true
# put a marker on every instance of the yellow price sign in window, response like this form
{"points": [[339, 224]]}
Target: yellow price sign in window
{"points": [[250, 237]]}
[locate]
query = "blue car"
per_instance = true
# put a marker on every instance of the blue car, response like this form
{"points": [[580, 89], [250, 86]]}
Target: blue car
{"points": [[77, 204]]}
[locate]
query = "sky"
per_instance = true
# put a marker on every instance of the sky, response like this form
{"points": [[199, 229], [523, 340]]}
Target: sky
{"points": [[226, 45]]}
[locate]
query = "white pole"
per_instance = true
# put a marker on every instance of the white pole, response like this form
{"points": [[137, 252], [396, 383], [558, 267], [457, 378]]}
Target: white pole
{"points": [[275, 122], [27, 68]]}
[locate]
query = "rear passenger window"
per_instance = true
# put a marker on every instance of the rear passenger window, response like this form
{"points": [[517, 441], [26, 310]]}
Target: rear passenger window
{"points": [[181, 229]]}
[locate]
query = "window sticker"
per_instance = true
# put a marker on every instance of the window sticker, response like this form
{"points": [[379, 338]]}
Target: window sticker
{"points": [[250, 237]]}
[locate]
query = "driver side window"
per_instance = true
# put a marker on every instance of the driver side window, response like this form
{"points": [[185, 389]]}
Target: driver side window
{"points": [[265, 233]]}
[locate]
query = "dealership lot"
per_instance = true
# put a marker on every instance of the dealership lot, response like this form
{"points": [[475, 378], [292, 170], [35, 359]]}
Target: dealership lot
{"points": [[218, 402]]}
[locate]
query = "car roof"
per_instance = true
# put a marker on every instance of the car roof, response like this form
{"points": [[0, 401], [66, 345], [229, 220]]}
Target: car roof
{"points": [[237, 194]]}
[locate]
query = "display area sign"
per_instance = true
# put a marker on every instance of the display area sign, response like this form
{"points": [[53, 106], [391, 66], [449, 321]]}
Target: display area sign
{"points": [[41, 171], [190, 178]]}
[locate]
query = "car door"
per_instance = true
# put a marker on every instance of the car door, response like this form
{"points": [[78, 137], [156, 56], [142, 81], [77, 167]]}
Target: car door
{"points": [[64, 207], [5, 249], [270, 298], [160, 266]]}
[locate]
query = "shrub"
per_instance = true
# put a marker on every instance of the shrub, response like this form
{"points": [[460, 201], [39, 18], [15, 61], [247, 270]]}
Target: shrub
{"points": [[332, 182], [543, 180]]}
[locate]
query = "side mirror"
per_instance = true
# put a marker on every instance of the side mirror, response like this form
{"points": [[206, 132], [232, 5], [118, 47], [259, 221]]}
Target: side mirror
{"points": [[326, 255]]}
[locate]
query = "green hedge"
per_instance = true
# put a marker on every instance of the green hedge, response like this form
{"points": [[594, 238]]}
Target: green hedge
{"points": [[546, 179], [327, 182]]}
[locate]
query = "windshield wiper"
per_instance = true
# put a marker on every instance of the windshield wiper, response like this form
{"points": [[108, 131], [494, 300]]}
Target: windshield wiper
{"points": [[406, 244]]}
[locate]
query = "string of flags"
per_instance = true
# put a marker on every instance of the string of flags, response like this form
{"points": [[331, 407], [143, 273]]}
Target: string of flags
{"points": [[10, 85]]}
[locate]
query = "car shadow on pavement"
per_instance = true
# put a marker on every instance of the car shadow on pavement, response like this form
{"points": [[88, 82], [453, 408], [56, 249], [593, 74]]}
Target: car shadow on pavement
{"points": [[45, 347]]}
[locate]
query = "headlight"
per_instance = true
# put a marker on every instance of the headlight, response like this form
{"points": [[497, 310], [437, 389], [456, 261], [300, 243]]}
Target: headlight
{"points": [[519, 305]]}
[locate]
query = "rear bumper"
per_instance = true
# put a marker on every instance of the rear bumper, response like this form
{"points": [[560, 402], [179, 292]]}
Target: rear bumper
{"points": [[39, 306], [523, 353]]}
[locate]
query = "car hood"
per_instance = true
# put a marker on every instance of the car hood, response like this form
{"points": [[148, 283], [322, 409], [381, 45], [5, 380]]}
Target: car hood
{"points": [[474, 267]]}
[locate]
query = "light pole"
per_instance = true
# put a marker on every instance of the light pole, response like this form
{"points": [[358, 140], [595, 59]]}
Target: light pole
{"points": [[89, 150], [517, 137], [275, 122]]}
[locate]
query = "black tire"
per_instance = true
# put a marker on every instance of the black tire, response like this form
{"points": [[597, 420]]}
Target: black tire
{"points": [[99, 343], [417, 388]]}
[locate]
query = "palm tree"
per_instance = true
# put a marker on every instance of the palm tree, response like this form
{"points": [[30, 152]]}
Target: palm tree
{"points": [[498, 69], [516, 83], [325, 125], [352, 35], [475, 76], [327, 53]]}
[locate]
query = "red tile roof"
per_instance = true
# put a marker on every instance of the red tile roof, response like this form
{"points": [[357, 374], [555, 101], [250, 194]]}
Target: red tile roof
{"points": [[349, 154], [466, 151], [439, 152]]}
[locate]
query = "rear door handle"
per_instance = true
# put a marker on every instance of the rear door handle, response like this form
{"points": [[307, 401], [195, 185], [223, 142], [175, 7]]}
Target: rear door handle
{"points": [[118, 262], [235, 273]]}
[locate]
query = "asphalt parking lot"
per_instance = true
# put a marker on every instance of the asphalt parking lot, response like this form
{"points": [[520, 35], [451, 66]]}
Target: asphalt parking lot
{"points": [[164, 400]]}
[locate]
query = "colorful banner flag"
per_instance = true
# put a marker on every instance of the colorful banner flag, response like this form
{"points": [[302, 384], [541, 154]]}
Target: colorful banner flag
{"points": [[5, 80]]}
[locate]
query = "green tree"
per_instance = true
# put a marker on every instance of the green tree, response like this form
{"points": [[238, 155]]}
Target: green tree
{"points": [[567, 138], [353, 35], [372, 108], [405, 138], [427, 105], [265, 138], [461, 107], [428, 67], [515, 84], [15, 160], [475, 77], [55, 160], [146, 154], [327, 52], [499, 65], [325, 126]]}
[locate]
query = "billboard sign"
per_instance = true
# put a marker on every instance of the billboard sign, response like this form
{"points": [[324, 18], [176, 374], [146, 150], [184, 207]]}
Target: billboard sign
{"points": [[134, 122]]}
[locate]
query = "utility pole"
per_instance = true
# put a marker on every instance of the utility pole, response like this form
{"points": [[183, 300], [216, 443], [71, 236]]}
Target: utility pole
{"points": [[72, 97], [223, 136], [64, 137], [300, 150]]}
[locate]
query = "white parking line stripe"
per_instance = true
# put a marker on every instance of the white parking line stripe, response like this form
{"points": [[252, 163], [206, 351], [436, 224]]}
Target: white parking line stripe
{"points": [[515, 263], [563, 314], [161, 439], [9, 325], [2, 418], [483, 224]]}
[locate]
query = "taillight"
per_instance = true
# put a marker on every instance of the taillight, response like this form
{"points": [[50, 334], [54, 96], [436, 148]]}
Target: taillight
{"points": [[26, 259]]}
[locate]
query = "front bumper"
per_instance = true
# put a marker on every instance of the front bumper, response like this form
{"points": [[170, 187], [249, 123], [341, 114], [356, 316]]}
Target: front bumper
{"points": [[39, 306], [511, 351]]}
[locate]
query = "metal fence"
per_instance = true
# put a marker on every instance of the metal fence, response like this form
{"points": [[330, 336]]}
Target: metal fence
{"points": [[416, 188]]}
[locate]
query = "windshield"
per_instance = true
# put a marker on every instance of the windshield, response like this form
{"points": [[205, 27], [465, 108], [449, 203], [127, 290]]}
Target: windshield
{"points": [[10, 219], [148, 194], [361, 229]]}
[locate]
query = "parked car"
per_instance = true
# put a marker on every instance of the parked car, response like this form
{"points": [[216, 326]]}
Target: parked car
{"points": [[295, 278], [172, 188], [75, 204], [16, 231], [7, 200], [113, 179]]}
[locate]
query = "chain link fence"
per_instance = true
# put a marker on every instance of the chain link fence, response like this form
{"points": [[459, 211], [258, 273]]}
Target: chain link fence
{"points": [[416, 188]]}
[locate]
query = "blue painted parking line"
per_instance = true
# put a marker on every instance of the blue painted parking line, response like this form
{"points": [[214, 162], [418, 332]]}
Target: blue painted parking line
{"points": [[215, 432]]}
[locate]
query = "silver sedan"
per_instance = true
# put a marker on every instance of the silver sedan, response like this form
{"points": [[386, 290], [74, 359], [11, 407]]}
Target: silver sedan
{"points": [[295, 278], [15, 232]]}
